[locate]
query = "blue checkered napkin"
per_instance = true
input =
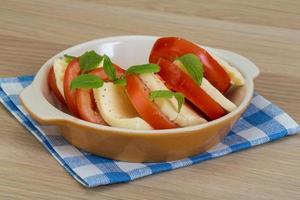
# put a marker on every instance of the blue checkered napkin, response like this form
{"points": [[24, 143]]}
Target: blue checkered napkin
{"points": [[261, 123]]}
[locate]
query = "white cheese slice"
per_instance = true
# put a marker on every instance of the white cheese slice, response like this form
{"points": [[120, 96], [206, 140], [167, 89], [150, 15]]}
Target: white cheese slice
{"points": [[186, 116], [216, 95], [116, 109], [213, 92], [235, 76], [59, 67]]}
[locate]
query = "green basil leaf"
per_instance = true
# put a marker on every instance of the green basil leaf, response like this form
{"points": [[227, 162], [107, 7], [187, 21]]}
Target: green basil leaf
{"points": [[86, 81], [168, 94], [89, 61], [109, 68], [120, 81], [69, 58], [180, 99], [143, 69], [193, 66]]}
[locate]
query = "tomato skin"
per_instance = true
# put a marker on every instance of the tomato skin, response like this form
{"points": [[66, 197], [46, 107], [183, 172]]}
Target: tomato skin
{"points": [[179, 81], [138, 94], [86, 105], [53, 86], [172, 47], [72, 71]]}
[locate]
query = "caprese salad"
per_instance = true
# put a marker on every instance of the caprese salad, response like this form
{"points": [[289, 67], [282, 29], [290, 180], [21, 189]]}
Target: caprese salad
{"points": [[182, 85]]}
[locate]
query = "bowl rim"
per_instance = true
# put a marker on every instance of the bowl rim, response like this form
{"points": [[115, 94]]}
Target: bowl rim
{"points": [[66, 118]]}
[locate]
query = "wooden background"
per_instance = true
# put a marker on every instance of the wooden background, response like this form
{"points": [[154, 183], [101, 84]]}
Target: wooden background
{"points": [[267, 32]]}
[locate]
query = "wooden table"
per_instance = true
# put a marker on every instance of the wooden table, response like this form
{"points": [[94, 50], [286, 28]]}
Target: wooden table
{"points": [[266, 32]]}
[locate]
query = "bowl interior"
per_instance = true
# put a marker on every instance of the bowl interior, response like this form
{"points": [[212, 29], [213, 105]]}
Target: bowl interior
{"points": [[127, 51]]}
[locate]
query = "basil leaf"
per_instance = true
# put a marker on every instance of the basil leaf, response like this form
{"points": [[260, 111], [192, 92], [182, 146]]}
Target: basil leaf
{"points": [[143, 69], [168, 94], [193, 66], [120, 81], [86, 81], [69, 58], [89, 60], [109, 68], [180, 99]]}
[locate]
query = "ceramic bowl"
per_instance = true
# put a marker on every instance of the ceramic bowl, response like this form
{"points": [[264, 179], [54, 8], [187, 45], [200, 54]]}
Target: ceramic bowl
{"points": [[135, 145]]}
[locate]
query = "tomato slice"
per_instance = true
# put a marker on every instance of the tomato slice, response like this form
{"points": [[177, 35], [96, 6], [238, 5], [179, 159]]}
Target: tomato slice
{"points": [[72, 71], [138, 94], [53, 86], [172, 47], [86, 105], [179, 81]]}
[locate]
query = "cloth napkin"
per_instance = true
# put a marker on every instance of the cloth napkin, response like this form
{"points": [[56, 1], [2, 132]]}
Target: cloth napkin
{"points": [[262, 122]]}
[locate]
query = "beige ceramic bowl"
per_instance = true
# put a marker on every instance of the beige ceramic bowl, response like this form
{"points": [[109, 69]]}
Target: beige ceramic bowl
{"points": [[135, 145]]}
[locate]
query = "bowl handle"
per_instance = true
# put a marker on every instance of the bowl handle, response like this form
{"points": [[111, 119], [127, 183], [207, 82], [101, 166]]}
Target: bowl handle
{"points": [[39, 108]]}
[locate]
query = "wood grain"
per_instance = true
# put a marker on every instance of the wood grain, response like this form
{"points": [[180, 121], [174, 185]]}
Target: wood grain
{"points": [[267, 32]]}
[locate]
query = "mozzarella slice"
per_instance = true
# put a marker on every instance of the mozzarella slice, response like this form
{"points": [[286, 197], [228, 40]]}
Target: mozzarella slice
{"points": [[186, 116], [235, 76], [116, 109], [213, 92], [59, 67]]}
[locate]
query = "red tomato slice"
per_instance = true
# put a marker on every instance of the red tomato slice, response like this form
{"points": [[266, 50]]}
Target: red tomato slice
{"points": [[87, 107], [53, 86], [172, 47], [179, 81], [85, 101], [72, 71], [138, 94]]}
